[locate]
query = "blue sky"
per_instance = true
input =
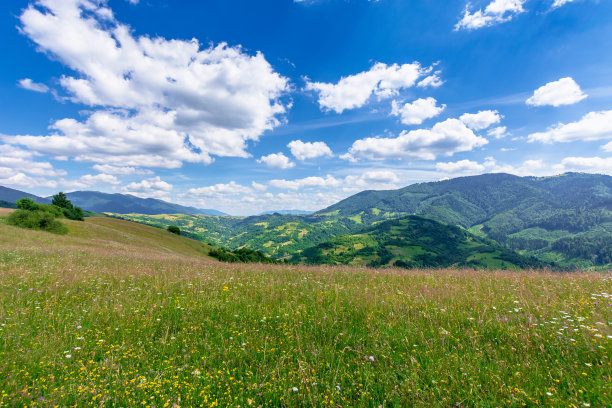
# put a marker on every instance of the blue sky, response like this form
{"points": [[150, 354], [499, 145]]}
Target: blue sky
{"points": [[247, 106]]}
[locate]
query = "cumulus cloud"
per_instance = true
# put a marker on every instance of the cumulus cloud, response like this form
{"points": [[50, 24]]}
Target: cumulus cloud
{"points": [[592, 126], [350, 183], [498, 132], [565, 91], [382, 81], [481, 120], [607, 147], [168, 101], [416, 112], [153, 187], [30, 85], [276, 161], [14, 160], [599, 165], [444, 138], [559, 3], [220, 190], [309, 150], [308, 182], [120, 170], [498, 11], [8, 177], [90, 180], [460, 167]]}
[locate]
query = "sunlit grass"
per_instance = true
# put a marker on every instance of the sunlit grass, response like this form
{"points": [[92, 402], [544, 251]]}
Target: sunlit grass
{"points": [[90, 321]]}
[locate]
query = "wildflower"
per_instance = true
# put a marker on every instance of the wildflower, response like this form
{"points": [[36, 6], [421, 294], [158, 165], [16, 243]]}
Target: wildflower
{"points": [[68, 355], [294, 389], [548, 393], [371, 358], [338, 388]]}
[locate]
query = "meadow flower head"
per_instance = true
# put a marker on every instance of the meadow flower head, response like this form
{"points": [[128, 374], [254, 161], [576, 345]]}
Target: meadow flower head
{"points": [[294, 389]]}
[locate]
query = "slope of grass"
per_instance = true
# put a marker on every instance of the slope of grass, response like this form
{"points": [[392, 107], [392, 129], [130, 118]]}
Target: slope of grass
{"points": [[101, 317], [414, 241]]}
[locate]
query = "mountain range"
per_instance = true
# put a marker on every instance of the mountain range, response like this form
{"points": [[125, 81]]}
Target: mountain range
{"points": [[564, 219], [96, 201]]}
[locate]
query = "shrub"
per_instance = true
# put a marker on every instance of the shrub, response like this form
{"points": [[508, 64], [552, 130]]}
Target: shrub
{"points": [[27, 204], [174, 229], [38, 219]]}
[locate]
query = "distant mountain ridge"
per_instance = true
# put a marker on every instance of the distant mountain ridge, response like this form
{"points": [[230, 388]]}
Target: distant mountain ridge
{"points": [[287, 212], [11, 195], [127, 204], [115, 203]]}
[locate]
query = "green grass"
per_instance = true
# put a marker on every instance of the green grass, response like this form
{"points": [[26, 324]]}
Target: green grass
{"points": [[120, 314]]}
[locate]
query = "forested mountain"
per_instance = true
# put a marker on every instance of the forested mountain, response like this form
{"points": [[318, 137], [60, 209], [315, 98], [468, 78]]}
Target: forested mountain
{"points": [[565, 219], [414, 242], [10, 196], [126, 203]]}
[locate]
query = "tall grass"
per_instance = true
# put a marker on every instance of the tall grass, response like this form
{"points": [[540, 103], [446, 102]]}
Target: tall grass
{"points": [[102, 325]]}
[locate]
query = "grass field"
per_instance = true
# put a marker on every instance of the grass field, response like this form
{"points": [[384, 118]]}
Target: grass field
{"points": [[120, 314]]}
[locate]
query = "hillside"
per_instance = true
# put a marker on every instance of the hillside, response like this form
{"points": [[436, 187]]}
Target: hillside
{"points": [[414, 242], [565, 218], [105, 237], [126, 203]]}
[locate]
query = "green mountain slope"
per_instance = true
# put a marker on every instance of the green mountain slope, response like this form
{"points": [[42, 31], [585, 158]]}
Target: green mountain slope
{"points": [[413, 242], [565, 219]]}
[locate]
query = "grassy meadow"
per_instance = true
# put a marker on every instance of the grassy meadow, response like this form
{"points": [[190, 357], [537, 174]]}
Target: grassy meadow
{"points": [[124, 315]]}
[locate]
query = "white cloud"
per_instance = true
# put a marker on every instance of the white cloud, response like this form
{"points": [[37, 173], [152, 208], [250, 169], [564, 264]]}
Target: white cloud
{"points": [[559, 3], [220, 190], [416, 112], [607, 147], [481, 120], [153, 187], [592, 126], [8, 177], [460, 167], [165, 101], [498, 132], [308, 182], [368, 179], [565, 91], [433, 81], [21, 160], [307, 150], [354, 91], [276, 161], [120, 170], [600, 165], [90, 180], [444, 138], [498, 11], [30, 85]]}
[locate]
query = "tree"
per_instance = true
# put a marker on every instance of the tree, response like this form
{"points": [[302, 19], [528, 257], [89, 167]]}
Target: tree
{"points": [[70, 211], [61, 201], [174, 229]]}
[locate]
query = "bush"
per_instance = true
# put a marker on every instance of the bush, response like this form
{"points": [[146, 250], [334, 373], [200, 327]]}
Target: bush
{"points": [[174, 229], [38, 219], [27, 204]]}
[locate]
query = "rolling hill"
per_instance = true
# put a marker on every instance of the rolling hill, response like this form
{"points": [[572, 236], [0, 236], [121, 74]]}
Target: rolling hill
{"points": [[415, 242], [106, 237]]}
